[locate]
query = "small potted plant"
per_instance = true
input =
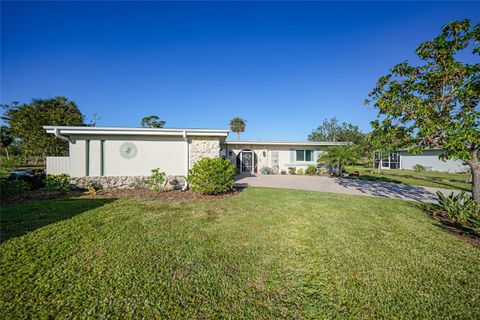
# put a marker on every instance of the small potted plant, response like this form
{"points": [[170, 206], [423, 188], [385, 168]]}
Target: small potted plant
{"points": [[265, 171]]}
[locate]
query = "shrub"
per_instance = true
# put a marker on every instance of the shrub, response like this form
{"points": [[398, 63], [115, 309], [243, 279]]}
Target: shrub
{"points": [[157, 178], [60, 182], [91, 191], [311, 170], [212, 176], [419, 168], [35, 179], [299, 171], [10, 188], [12, 163], [460, 207], [292, 170]]}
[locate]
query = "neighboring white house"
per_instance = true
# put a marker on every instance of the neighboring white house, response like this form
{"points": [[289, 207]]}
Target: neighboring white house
{"points": [[113, 152], [428, 159]]}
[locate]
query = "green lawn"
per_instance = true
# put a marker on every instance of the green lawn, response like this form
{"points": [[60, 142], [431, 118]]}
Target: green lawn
{"points": [[428, 178], [266, 253]]}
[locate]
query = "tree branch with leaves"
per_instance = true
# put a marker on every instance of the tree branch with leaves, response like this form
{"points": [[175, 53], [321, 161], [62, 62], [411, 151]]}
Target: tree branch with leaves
{"points": [[27, 120], [434, 105], [152, 121]]}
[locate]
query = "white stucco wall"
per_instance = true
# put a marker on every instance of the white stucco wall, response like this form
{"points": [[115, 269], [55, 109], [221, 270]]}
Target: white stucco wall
{"points": [[430, 159], [166, 153], [77, 155]]}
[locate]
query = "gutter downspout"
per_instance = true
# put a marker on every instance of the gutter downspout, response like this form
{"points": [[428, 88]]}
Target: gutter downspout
{"points": [[56, 131], [185, 187]]}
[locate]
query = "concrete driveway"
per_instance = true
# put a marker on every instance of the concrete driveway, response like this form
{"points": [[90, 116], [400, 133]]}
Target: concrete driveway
{"points": [[343, 185]]}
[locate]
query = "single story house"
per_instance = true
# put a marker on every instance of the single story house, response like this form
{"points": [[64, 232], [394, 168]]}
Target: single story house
{"points": [[114, 151], [127, 152]]}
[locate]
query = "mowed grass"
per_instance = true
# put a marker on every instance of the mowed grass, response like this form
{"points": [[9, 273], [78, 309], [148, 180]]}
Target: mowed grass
{"points": [[266, 253], [435, 179]]}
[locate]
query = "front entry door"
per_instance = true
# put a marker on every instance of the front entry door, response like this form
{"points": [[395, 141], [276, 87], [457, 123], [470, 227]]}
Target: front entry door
{"points": [[275, 164], [247, 162]]}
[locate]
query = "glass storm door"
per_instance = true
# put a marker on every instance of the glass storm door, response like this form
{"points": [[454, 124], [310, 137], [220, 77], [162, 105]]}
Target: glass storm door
{"points": [[275, 164], [247, 161]]}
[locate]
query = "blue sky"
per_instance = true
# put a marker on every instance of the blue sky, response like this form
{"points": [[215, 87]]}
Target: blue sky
{"points": [[282, 66]]}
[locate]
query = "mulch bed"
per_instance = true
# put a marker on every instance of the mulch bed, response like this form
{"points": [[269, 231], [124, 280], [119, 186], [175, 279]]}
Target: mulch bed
{"points": [[138, 194], [458, 230], [145, 194]]}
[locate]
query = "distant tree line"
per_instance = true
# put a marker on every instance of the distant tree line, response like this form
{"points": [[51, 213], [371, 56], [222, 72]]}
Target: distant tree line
{"points": [[22, 131], [333, 131], [22, 126]]}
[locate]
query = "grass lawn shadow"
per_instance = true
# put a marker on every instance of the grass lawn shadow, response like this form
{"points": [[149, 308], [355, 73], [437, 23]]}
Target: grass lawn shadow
{"points": [[19, 218]]}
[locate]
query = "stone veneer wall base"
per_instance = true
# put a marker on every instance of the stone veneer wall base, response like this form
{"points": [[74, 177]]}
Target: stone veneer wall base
{"points": [[126, 182]]}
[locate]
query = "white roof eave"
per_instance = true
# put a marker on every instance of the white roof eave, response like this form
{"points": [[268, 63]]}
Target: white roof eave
{"points": [[68, 131], [286, 143]]}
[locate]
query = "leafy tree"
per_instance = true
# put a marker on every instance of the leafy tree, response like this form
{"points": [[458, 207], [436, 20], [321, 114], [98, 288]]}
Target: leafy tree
{"points": [[6, 138], [435, 104], [340, 156], [152, 121], [332, 130], [238, 125], [12, 163], [27, 121]]}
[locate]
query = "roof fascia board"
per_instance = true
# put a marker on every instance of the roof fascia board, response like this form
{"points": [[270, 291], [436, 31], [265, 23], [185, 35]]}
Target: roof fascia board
{"points": [[134, 131], [287, 143]]}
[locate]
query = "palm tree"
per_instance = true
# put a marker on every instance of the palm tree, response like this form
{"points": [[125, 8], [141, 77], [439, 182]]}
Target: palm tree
{"points": [[340, 156], [238, 125]]}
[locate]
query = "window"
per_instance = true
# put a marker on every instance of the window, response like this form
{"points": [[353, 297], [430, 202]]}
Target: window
{"points": [[389, 161], [308, 155], [304, 155], [300, 155], [394, 160]]}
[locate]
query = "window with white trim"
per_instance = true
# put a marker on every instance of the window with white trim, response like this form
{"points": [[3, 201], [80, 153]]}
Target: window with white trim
{"points": [[304, 155]]}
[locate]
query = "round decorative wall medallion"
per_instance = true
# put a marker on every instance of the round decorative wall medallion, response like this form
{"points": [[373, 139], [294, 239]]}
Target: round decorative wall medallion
{"points": [[128, 150]]}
